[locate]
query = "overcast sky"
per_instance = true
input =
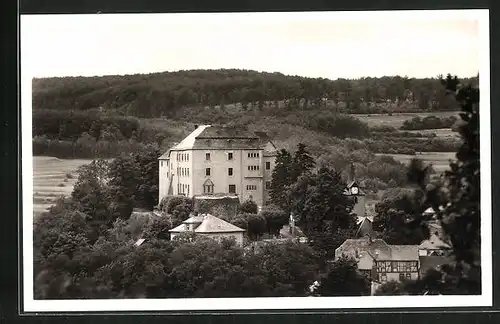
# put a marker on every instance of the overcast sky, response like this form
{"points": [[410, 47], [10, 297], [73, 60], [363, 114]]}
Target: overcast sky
{"points": [[330, 45]]}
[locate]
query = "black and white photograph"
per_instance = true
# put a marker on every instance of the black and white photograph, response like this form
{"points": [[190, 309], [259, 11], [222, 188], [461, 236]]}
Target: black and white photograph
{"points": [[256, 161]]}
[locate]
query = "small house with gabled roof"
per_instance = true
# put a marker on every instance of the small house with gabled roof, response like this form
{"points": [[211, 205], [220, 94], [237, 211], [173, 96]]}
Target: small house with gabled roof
{"points": [[209, 226]]}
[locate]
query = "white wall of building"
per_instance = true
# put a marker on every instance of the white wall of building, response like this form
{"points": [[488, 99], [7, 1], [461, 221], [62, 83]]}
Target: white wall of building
{"points": [[244, 173]]}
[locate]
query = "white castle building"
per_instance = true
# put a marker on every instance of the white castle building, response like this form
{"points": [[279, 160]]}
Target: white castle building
{"points": [[215, 161]]}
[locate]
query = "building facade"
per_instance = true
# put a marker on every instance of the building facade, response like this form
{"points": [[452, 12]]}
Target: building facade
{"points": [[215, 160], [383, 262]]}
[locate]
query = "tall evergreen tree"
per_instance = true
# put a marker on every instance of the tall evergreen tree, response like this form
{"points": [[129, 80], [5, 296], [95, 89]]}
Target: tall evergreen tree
{"points": [[281, 179], [302, 162]]}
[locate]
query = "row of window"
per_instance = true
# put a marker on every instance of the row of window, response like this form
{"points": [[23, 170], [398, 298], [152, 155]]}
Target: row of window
{"points": [[230, 156], [184, 157], [208, 187], [382, 277], [230, 172], [183, 172], [183, 189], [397, 266], [181, 157]]}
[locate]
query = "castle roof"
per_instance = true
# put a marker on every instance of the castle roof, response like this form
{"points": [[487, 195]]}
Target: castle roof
{"points": [[219, 137]]}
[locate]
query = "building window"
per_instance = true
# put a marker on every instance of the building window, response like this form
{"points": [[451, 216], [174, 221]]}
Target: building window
{"points": [[253, 167], [208, 187], [232, 189], [251, 187], [229, 156], [401, 277], [207, 172], [161, 163], [253, 155], [268, 165], [230, 171], [408, 276], [207, 156], [268, 185]]}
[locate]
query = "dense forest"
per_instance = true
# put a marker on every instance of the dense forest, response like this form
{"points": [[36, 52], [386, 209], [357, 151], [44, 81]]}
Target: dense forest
{"points": [[163, 94], [103, 117]]}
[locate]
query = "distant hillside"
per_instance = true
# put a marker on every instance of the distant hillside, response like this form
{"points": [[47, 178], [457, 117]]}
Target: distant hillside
{"points": [[168, 93]]}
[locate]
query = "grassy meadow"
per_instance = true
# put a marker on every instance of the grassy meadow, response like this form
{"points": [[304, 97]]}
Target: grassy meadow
{"points": [[397, 119], [440, 160], [53, 178]]}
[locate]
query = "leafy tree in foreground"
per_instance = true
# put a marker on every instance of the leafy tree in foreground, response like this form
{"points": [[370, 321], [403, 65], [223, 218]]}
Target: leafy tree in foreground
{"points": [[256, 225], [249, 207], [321, 207], [394, 220], [275, 218], [91, 191], [391, 288], [290, 268], [456, 201], [344, 279]]}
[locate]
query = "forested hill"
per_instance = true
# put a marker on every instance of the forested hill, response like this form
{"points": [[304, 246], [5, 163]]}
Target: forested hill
{"points": [[167, 93]]}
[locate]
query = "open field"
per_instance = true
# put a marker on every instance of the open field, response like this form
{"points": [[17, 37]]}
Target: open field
{"points": [[53, 178], [439, 160], [440, 132], [397, 119]]}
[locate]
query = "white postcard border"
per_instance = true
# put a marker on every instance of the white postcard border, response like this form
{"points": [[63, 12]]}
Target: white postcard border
{"points": [[279, 303]]}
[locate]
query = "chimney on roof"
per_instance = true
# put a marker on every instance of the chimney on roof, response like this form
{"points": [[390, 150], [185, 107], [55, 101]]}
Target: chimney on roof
{"points": [[195, 126]]}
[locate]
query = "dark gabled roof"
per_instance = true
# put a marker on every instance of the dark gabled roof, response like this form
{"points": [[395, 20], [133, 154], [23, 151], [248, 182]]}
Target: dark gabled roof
{"points": [[378, 249], [404, 252], [219, 137], [434, 242], [219, 132]]}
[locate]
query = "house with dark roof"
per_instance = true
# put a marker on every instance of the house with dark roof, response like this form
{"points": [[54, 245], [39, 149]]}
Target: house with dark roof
{"points": [[383, 262], [365, 226], [209, 226], [219, 160], [434, 246]]}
